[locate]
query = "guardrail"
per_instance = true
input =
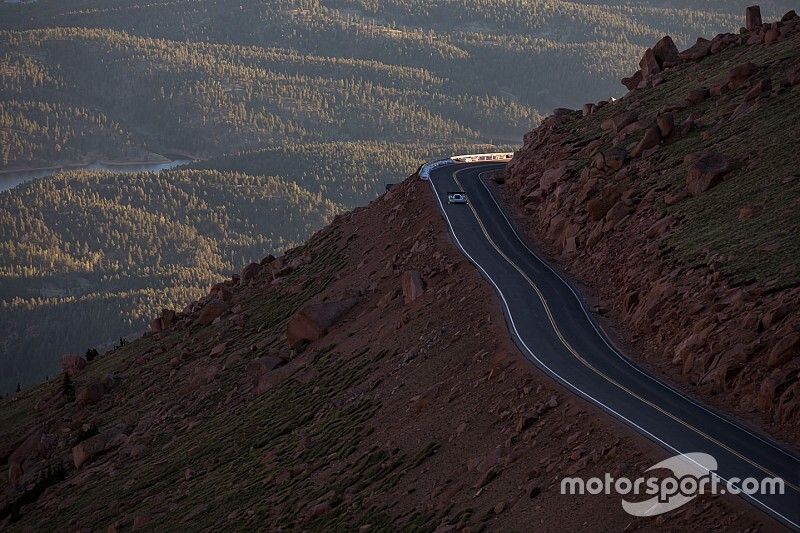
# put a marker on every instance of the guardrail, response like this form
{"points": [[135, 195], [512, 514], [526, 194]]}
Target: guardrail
{"points": [[430, 166], [472, 158]]}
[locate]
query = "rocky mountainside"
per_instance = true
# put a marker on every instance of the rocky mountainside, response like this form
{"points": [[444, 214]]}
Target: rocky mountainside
{"points": [[364, 381], [677, 206]]}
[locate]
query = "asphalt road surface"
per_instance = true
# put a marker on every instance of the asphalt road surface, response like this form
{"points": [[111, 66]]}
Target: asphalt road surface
{"points": [[552, 328]]}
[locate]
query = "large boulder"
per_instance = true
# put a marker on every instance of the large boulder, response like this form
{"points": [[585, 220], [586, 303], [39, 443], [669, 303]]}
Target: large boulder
{"points": [[412, 285], [312, 321], [156, 326], [753, 18], [598, 206], [623, 120], [739, 74], [666, 52], [697, 95], [552, 176], [29, 449], [249, 272], [92, 393], [706, 172], [632, 82], [167, 318], [72, 364], [785, 349], [614, 158], [211, 311], [666, 124], [649, 64], [651, 139], [258, 367], [698, 51], [88, 449]]}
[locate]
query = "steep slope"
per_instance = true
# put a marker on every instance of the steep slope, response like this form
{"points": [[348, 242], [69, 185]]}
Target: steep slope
{"points": [[83, 245], [677, 207], [408, 409]]}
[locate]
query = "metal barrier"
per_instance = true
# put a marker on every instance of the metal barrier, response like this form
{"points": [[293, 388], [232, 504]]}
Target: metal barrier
{"points": [[430, 166], [472, 158]]}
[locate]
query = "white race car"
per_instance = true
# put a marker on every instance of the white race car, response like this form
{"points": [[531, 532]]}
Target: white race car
{"points": [[456, 198]]}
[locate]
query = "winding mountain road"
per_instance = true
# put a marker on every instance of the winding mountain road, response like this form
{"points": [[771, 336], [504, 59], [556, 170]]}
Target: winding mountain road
{"points": [[553, 329]]}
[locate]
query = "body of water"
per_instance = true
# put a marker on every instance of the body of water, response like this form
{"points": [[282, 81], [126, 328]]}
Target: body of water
{"points": [[9, 180]]}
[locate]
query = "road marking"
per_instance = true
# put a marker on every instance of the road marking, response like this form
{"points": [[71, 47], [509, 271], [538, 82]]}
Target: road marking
{"points": [[567, 383], [627, 361], [586, 363]]}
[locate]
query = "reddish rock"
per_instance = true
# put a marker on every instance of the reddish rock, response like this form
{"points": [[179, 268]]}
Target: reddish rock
{"points": [[552, 176], [623, 119], [753, 18], [587, 109], [29, 449], [739, 74], [766, 393], [707, 172], [72, 364], [756, 37], [651, 139], [222, 292], [211, 311], [759, 89], [249, 272], [201, 375], [168, 316], [633, 81], [412, 285], [88, 450], [698, 51], [258, 367], [666, 124], [155, 325], [666, 52], [499, 177], [312, 321], [562, 112], [787, 348], [632, 128], [718, 89], [697, 96], [615, 158], [598, 207], [791, 79], [218, 350], [773, 35], [92, 393], [649, 64]]}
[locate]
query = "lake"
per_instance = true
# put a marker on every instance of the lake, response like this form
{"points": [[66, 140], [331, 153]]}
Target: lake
{"points": [[9, 180]]}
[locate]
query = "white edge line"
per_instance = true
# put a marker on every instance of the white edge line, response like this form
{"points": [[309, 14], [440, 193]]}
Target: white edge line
{"points": [[567, 383], [627, 361]]}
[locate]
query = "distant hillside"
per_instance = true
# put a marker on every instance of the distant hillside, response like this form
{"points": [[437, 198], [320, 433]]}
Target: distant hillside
{"points": [[87, 257], [204, 79], [204, 99]]}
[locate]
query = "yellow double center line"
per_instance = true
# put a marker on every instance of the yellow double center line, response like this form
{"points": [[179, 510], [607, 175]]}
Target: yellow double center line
{"points": [[592, 367]]}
